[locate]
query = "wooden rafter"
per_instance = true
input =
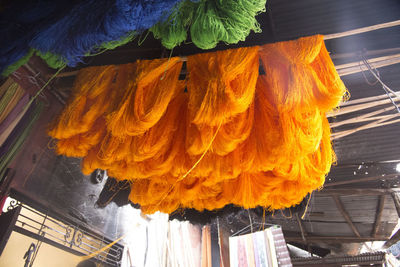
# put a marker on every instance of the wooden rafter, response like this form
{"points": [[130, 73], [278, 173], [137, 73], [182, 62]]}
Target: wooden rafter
{"points": [[362, 30], [379, 62], [334, 239], [344, 69], [354, 191], [344, 213], [378, 216], [396, 200], [361, 180], [396, 237]]}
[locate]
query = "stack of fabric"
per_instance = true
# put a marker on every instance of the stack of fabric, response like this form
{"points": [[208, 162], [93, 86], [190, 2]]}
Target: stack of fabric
{"points": [[225, 135], [261, 248], [16, 120]]}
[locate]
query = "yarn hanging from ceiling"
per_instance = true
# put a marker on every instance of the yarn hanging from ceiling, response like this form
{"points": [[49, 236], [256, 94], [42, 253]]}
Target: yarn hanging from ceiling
{"points": [[70, 30], [56, 61], [16, 65], [223, 98], [232, 137], [209, 22], [144, 102], [20, 20]]}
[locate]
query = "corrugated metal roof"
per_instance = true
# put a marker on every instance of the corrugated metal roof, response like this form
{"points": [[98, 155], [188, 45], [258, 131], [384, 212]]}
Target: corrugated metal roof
{"points": [[294, 19], [377, 144]]}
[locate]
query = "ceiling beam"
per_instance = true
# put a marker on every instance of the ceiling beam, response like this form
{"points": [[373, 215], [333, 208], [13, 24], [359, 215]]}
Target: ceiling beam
{"points": [[353, 191], [344, 213], [396, 200], [356, 67], [334, 239], [378, 216], [362, 30], [361, 180], [393, 240]]}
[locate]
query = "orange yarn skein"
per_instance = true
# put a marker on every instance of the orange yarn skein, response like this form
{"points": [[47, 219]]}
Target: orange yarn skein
{"points": [[235, 137], [144, 103]]}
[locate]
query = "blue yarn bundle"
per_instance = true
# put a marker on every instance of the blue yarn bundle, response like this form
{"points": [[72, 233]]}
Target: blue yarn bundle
{"points": [[21, 20], [71, 29]]}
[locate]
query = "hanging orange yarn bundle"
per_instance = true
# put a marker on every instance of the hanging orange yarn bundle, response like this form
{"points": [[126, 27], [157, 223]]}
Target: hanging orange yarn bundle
{"points": [[233, 137]]}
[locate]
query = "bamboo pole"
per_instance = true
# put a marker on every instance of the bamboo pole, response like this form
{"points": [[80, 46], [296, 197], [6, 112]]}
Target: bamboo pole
{"points": [[343, 70], [378, 123], [365, 99], [359, 119], [364, 117], [368, 53], [359, 107], [326, 37], [372, 60], [336, 239], [356, 67], [362, 30]]}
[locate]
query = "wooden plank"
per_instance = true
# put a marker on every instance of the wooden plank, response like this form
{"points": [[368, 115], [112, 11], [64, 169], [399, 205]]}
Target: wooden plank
{"points": [[378, 123], [334, 239], [378, 216], [355, 67], [368, 53], [362, 30], [361, 180], [393, 240], [396, 200], [355, 191], [365, 99], [344, 213], [362, 106], [365, 117], [336, 228], [67, 74], [223, 237]]}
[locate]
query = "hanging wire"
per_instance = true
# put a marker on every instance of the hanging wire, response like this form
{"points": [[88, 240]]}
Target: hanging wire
{"points": [[251, 221], [43, 87], [305, 210], [249, 226], [377, 76]]}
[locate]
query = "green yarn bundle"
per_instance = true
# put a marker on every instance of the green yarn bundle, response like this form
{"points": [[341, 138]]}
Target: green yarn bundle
{"points": [[173, 31], [56, 62], [114, 44], [53, 61], [209, 22], [16, 65]]}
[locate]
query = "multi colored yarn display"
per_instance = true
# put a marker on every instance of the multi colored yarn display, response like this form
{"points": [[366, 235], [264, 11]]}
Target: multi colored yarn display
{"points": [[64, 32], [209, 22], [225, 135], [71, 29]]}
